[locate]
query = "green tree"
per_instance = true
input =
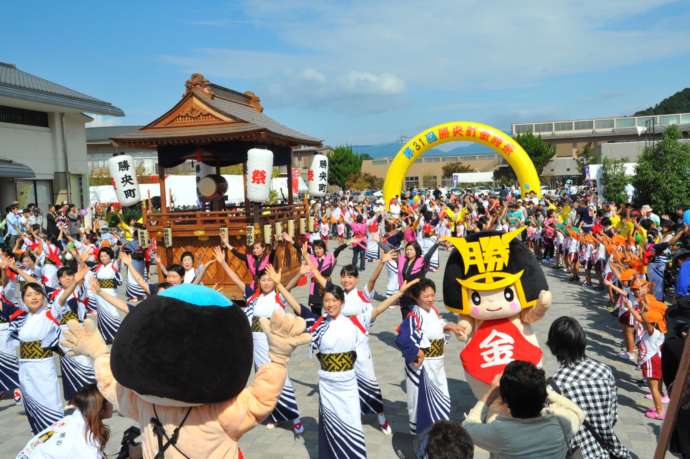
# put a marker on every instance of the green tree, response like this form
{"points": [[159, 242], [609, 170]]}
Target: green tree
{"points": [[539, 151], [365, 156], [677, 103], [504, 175], [585, 157], [363, 181], [663, 174], [456, 168], [614, 180], [343, 163]]}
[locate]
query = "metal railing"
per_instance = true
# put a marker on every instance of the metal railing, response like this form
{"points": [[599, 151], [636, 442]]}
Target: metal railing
{"points": [[627, 124]]}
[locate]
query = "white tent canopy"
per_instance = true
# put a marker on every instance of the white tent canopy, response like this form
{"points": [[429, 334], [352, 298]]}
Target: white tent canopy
{"points": [[472, 177]]}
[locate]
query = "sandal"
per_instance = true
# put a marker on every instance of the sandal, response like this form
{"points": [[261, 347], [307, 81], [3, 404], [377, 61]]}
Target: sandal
{"points": [[652, 414]]}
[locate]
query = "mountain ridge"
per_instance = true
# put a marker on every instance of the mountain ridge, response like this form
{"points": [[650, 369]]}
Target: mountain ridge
{"points": [[388, 150]]}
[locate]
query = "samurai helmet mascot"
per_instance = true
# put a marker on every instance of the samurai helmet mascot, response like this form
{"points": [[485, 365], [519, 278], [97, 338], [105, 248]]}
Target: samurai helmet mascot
{"points": [[179, 366], [497, 287]]}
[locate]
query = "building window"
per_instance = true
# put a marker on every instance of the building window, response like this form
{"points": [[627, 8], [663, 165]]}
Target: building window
{"points": [[564, 126], [411, 182], [22, 116], [625, 122], [76, 187], [38, 192], [647, 121], [543, 127], [379, 162], [667, 120], [579, 125], [429, 181], [523, 128], [603, 124]]}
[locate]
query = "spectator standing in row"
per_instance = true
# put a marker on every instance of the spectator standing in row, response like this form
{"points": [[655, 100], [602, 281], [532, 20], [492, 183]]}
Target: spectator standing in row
{"points": [[591, 385], [14, 224], [74, 220]]}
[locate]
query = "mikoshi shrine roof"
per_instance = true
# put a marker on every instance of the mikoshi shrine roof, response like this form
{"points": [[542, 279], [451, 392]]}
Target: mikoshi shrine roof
{"points": [[211, 114]]}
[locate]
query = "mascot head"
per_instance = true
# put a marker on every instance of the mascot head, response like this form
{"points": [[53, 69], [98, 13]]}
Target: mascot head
{"points": [[187, 346], [491, 275]]}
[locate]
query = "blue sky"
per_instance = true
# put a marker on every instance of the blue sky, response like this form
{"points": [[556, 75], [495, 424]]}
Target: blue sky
{"points": [[362, 72]]}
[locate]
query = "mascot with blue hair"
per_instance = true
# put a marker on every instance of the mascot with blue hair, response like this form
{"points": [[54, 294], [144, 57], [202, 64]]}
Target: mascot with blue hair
{"points": [[179, 366]]}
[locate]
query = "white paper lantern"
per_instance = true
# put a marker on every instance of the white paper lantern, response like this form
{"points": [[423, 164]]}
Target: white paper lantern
{"points": [[317, 176], [259, 173], [124, 175]]}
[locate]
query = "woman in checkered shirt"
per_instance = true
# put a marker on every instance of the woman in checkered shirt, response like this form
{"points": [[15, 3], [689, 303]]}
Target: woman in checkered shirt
{"points": [[591, 385]]}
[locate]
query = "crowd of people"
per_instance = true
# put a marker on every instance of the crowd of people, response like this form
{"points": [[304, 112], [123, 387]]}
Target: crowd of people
{"points": [[54, 269]]}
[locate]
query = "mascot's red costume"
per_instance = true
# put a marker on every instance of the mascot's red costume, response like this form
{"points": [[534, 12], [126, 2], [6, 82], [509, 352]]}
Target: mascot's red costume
{"points": [[497, 287], [179, 365]]}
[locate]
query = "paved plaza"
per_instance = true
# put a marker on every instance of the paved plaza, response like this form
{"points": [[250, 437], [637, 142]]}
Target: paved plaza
{"points": [[637, 432]]}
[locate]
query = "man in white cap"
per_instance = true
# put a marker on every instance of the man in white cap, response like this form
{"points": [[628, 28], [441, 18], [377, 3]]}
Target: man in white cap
{"points": [[646, 212]]}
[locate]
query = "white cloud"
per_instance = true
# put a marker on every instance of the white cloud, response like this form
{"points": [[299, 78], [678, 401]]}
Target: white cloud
{"points": [[382, 51], [103, 121], [314, 75], [370, 83]]}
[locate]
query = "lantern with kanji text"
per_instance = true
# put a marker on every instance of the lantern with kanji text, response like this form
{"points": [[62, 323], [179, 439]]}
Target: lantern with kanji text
{"points": [[317, 176], [124, 176], [259, 173]]}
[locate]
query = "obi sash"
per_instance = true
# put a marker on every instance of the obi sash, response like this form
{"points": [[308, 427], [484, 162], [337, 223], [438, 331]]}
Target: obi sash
{"points": [[337, 362], [435, 349], [33, 350]]}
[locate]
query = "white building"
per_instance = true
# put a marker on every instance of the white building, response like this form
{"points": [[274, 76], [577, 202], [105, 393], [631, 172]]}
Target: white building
{"points": [[100, 149], [43, 140]]}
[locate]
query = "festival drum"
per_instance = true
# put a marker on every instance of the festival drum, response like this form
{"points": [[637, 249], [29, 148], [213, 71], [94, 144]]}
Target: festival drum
{"points": [[212, 187]]}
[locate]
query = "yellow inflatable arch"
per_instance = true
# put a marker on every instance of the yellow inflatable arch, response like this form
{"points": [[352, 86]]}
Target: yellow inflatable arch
{"points": [[461, 131]]}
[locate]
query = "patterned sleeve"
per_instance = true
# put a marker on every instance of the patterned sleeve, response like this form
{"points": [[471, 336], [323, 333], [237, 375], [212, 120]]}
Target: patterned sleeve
{"points": [[409, 338], [309, 317], [52, 337], [9, 311], [118, 276], [365, 316]]}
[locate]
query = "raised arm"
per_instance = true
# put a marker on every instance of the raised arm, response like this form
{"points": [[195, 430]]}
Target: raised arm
{"points": [[276, 278], [614, 288], [26, 276], [78, 279], [95, 287], [322, 281], [202, 271], [303, 270], [393, 299], [161, 268], [126, 260], [430, 253], [340, 248], [220, 259], [388, 256]]}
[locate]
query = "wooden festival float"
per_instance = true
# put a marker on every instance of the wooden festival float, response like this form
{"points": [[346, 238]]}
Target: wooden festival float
{"points": [[216, 127]]}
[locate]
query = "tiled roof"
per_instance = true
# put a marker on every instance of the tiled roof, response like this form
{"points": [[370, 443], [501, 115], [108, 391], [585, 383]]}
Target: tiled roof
{"points": [[104, 133], [243, 119], [252, 116], [18, 84]]}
